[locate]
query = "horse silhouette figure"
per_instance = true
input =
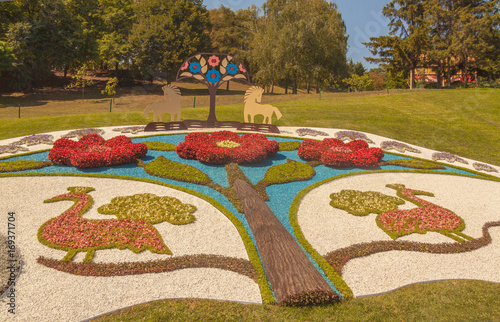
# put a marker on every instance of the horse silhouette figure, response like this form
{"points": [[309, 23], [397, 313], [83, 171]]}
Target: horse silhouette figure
{"points": [[426, 217], [171, 104], [253, 97], [74, 234]]}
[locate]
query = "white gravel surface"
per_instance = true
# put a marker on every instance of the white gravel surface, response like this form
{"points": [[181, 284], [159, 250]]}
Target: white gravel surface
{"points": [[44, 294]]}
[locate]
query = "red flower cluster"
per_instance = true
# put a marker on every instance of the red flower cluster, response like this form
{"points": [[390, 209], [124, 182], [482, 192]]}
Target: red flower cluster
{"points": [[225, 146], [336, 153], [92, 151]]}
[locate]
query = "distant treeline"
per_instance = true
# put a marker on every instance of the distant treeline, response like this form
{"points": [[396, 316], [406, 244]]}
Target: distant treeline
{"points": [[290, 43]]}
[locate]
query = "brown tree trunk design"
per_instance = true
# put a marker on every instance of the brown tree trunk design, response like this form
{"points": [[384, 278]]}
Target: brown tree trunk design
{"points": [[294, 279]]}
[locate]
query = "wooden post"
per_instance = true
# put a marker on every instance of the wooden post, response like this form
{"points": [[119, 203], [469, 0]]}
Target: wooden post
{"points": [[294, 280], [19, 112]]}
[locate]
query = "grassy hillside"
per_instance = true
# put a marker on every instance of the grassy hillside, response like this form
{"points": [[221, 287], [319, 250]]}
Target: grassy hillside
{"points": [[463, 122]]}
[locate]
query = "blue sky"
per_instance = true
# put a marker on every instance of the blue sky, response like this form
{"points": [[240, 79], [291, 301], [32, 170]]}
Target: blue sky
{"points": [[363, 19]]}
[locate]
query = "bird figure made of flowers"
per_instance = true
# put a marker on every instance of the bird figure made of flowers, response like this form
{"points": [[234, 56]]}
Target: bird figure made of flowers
{"points": [[213, 70]]}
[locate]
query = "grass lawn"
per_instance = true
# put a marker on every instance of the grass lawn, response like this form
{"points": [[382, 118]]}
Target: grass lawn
{"points": [[464, 122], [439, 301]]}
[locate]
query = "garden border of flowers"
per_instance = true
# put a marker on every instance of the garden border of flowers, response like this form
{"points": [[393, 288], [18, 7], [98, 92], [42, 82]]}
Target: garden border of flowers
{"points": [[329, 269], [237, 265]]}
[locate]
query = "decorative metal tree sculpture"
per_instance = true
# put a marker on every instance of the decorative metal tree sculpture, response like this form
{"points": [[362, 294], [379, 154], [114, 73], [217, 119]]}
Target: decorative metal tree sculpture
{"points": [[213, 70]]}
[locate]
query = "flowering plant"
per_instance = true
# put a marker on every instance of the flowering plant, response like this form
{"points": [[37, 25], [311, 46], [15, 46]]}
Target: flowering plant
{"points": [[82, 132], [92, 151], [37, 139], [352, 135], [336, 153], [224, 146], [447, 157]]}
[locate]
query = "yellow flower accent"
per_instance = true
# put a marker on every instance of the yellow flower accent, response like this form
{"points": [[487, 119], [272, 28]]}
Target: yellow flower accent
{"points": [[227, 144]]}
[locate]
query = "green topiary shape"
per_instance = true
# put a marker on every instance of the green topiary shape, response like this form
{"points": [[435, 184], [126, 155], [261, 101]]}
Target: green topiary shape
{"points": [[361, 203], [160, 146], [289, 146], [21, 165], [164, 168], [150, 208], [414, 164], [290, 171]]}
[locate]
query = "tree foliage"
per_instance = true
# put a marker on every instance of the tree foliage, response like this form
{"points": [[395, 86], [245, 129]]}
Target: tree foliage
{"points": [[299, 41], [447, 35], [165, 32]]}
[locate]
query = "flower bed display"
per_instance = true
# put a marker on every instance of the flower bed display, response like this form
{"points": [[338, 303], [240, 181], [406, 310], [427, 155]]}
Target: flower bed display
{"points": [[336, 153], [224, 146], [92, 151]]}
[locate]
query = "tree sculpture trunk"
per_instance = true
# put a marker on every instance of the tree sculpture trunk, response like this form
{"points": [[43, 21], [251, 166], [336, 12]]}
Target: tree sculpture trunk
{"points": [[293, 278], [211, 115]]}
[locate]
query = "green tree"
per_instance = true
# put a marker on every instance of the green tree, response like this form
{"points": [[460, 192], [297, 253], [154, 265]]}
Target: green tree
{"points": [[446, 35], [80, 81], [300, 41], [461, 32], [359, 83], [408, 39], [37, 34], [165, 32], [355, 68], [231, 31], [110, 89], [116, 26]]}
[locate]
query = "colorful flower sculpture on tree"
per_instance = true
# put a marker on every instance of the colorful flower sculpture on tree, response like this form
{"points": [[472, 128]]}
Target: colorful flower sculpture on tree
{"points": [[92, 151], [213, 70], [336, 153], [224, 146]]}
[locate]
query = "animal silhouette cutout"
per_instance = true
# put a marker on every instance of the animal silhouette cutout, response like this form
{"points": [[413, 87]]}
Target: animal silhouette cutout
{"points": [[426, 217], [74, 234], [171, 104], [253, 97]]}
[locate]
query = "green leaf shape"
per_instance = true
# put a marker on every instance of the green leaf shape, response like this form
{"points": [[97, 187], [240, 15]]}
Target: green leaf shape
{"points": [[150, 208], [414, 164], [14, 166], [290, 171], [168, 169], [289, 146], [160, 146], [361, 203]]}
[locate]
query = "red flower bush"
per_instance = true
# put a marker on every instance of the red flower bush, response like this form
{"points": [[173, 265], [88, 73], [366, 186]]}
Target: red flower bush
{"points": [[336, 153], [92, 151], [225, 146]]}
